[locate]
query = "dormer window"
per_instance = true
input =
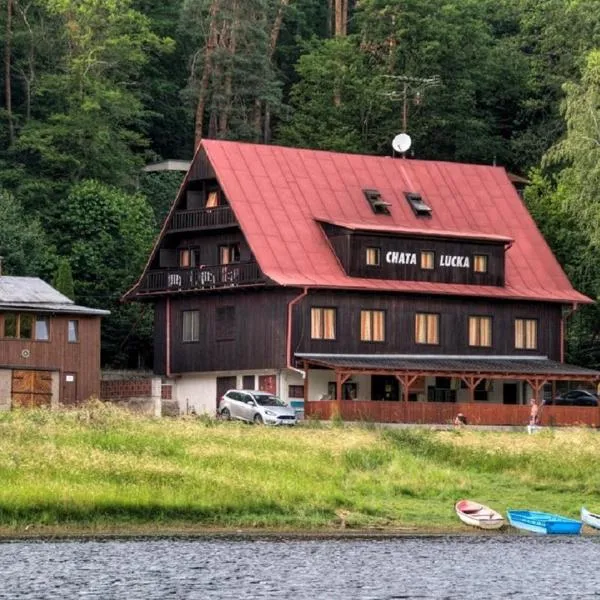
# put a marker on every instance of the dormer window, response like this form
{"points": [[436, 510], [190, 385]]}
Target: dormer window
{"points": [[419, 206], [378, 204]]}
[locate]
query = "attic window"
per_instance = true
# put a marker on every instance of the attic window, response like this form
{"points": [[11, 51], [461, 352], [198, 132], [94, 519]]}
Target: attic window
{"points": [[420, 208], [379, 206]]}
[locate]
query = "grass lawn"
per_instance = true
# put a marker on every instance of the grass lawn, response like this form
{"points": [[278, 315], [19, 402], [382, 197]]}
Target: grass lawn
{"points": [[100, 470]]}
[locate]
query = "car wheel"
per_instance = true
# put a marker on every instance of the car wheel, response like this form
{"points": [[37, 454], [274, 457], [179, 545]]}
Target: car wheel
{"points": [[258, 420], [225, 414]]}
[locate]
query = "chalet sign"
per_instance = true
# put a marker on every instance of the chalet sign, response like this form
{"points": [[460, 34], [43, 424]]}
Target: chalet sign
{"points": [[410, 258]]}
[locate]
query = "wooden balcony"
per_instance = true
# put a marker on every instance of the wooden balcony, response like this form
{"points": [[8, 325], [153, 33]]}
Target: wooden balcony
{"points": [[202, 218], [202, 278], [436, 413]]}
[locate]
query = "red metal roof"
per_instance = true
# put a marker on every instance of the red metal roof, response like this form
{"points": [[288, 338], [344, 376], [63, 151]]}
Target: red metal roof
{"points": [[279, 193]]}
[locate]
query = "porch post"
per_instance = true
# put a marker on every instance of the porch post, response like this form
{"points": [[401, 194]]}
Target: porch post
{"points": [[305, 383], [472, 383], [406, 381]]}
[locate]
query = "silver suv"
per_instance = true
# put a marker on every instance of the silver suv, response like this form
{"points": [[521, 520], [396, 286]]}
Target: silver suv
{"points": [[256, 407]]}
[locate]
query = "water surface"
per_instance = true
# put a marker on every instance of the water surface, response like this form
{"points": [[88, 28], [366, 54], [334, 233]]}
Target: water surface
{"points": [[452, 567]]}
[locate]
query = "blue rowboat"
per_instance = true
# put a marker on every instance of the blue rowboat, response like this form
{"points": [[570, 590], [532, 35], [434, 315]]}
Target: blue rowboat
{"points": [[541, 522]]}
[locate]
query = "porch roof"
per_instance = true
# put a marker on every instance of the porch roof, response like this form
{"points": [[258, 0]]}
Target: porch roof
{"points": [[455, 366]]}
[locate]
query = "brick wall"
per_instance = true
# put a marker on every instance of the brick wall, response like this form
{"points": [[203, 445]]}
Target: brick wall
{"points": [[125, 388], [137, 391]]}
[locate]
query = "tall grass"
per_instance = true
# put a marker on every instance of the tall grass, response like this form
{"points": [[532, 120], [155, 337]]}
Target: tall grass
{"points": [[101, 469]]}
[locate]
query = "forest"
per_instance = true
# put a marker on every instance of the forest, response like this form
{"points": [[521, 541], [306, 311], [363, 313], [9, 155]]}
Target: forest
{"points": [[93, 90]]}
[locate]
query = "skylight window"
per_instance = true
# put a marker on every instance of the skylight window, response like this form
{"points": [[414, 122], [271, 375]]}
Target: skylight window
{"points": [[420, 208], [378, 204]]}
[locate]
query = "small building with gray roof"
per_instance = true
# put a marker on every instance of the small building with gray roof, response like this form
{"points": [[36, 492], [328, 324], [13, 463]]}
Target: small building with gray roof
{"points": [[49, 346]]}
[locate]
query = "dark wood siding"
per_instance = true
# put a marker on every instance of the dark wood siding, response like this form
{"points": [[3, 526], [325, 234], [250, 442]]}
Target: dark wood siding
{"points": [[201, 168], [207, 242], [160, 332], [81, 358], [439, 274], [350, 247], [400, 324], [259, 338]]}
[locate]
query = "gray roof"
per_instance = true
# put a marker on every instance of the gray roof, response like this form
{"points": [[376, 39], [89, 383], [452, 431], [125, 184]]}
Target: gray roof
{"points": [[31, 293], [472, 365]]}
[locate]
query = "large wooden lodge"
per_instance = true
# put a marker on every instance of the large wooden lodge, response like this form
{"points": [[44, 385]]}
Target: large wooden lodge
{"points": [[384, 289]]}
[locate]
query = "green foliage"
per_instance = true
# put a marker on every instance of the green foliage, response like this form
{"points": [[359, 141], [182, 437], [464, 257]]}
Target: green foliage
{"points": [[23, 243], [567, 207], [160, 189], [63, 279], [107, 235]]}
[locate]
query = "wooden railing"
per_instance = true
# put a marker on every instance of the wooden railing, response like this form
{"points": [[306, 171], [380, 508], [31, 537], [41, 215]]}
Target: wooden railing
{"points": [[206, 277], [189, 220], [444, 412]]}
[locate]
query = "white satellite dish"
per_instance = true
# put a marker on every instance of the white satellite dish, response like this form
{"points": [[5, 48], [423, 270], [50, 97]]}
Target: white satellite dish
{"points": [[401, 143]]}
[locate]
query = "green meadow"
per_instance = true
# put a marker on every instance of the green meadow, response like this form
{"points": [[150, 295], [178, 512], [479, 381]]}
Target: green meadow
{"points": [[99, 470]]}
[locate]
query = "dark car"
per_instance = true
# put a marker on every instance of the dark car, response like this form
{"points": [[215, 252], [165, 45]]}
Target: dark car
{"points": [[575, 398]]}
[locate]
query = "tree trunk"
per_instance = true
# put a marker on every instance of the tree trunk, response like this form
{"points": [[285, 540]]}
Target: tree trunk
{"points": [[277, 27], [230, 42], [7, 74], [339, 18], [203, 91]]}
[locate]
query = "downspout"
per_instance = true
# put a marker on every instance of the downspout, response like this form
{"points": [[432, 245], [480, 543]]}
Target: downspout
{"points": [[563, 320], [168, 339], [291, 305]]}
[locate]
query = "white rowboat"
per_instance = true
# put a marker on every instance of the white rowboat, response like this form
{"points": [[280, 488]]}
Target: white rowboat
{"points": [[478, 515], [590, 518]]}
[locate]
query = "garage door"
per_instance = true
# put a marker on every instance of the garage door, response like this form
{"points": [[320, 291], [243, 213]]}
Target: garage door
{"points": [[31, 388]]}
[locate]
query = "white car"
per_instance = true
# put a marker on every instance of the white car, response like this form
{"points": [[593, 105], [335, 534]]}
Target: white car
{"points": [[256, 407]]}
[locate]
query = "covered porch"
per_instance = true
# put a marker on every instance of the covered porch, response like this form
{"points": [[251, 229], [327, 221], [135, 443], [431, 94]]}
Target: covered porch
{"points": [[492, 390]]}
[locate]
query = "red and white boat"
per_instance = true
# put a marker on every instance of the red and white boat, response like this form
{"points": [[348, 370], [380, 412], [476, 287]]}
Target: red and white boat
{"points": [[478, 515]]}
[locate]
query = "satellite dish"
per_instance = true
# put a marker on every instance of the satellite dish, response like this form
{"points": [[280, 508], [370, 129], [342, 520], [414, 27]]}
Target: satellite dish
{"points": [[401, 143]]}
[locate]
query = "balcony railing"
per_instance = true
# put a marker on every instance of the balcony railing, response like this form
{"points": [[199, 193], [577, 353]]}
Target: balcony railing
{"points": [[202, 278], [202, 218]]}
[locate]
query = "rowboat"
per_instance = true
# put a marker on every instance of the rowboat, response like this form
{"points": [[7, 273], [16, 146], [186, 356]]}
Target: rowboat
{"points": [[590, 518], [542, 522], [478, 515]]}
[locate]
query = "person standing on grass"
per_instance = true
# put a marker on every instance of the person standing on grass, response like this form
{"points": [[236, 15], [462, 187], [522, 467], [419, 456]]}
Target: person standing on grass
{"points": [[533, 415]]}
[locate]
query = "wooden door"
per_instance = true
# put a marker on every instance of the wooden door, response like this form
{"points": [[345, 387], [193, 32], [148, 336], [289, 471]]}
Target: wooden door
{"points": [[31, 388], [267, 383], [69, 388], [224, 384]]}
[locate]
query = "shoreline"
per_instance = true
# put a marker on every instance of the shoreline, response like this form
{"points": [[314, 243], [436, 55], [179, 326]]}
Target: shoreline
{"points": [[128, 534]]}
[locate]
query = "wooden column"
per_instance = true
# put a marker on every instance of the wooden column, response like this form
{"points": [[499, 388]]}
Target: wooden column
{"points": [[406, 380], [305, 384], [536, 384], [472, 382]]}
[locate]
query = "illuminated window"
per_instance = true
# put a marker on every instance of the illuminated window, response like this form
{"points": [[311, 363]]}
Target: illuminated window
{"points": [[322, 323], [526, 334], [427, 260], [480, 263], [480, 331], [212, 199], [373, 257], [372, 325], [427, 328]]}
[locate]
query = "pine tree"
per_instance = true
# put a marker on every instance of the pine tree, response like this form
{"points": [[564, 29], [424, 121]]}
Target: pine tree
{"points": [[63, 279]]}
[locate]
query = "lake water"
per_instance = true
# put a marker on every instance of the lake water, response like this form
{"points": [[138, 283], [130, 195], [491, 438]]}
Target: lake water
{"points": [[500, 566]]}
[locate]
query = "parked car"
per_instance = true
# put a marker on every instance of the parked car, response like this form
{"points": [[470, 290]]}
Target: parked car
{"points": [[574, 398], [256, 407]]}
